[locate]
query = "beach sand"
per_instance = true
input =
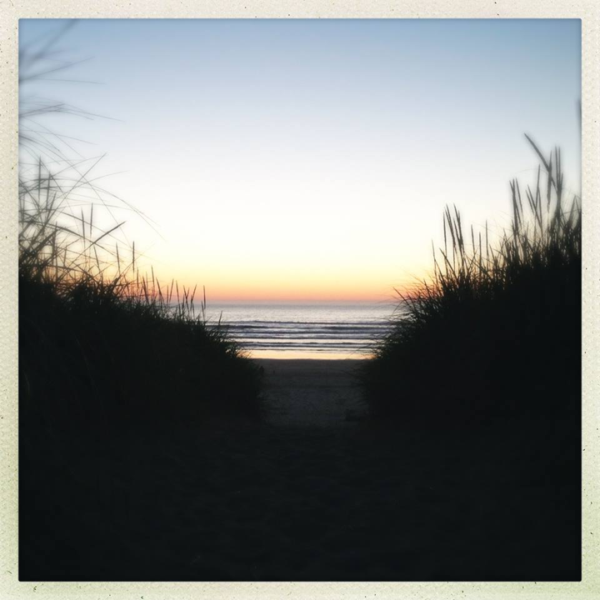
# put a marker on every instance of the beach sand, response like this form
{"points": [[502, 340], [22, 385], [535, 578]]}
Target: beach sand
{"points": [[306, 494], [317, 393]]}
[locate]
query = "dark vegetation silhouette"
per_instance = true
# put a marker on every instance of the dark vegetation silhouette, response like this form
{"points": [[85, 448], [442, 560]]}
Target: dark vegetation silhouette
{"points": [[111, 351], [101, 343], [497, 331], [105, 350], [486, 364]]}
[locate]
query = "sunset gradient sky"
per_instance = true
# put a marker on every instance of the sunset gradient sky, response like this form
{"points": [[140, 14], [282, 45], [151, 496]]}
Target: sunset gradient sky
{"points": [[311, 160]]}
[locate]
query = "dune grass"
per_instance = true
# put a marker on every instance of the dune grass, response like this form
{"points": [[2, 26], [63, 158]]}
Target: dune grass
{"points": [[102, 346], [497, 329], [109, 357]]}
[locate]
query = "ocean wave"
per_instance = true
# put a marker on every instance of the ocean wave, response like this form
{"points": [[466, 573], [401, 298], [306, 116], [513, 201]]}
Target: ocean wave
{"points": [[299, 324], [312, 345], [318, 329]]}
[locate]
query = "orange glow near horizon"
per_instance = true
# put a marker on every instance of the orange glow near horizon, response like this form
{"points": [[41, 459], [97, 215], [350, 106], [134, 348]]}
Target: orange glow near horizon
{"points": [[275, 286]]}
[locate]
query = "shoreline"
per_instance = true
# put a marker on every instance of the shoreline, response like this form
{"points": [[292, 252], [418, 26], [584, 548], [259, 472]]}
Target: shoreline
{"points": [[308, 360], [306, 356]]}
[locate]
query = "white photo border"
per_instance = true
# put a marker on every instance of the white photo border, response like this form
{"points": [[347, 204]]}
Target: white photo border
{"points": [[13, 10]]}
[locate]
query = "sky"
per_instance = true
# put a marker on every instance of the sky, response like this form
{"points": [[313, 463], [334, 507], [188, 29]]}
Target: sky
{"points": [[310, 160]]}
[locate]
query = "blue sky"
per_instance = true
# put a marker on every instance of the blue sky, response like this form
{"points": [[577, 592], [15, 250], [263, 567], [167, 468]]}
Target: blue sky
{"points": [[313, 159]]}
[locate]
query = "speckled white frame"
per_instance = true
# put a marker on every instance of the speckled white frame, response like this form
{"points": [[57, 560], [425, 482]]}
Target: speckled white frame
{"points": [[13, 10]]}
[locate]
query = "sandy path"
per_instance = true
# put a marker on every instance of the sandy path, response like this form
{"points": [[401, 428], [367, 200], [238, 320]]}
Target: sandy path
{"points": [[313, 393]]}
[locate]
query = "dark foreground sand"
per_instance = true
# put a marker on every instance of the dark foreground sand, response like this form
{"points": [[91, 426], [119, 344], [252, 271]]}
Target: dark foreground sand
{"points": [[311, 393], [311, 493]]}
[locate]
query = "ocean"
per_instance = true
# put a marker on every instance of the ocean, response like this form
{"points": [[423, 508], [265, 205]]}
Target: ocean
{"points": [[307, 330]]}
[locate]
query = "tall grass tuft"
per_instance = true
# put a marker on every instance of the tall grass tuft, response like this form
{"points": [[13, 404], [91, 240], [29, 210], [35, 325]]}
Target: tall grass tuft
{"points": [[107, 356], [497, 329], [103, 345]]}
